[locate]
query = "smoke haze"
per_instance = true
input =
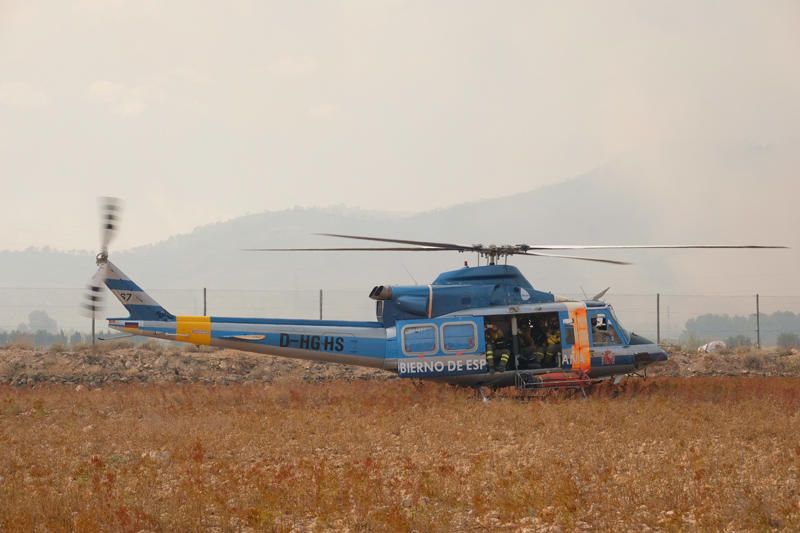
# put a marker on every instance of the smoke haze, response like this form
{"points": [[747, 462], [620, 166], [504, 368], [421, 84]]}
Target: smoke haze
{"points": [[196, 112]]}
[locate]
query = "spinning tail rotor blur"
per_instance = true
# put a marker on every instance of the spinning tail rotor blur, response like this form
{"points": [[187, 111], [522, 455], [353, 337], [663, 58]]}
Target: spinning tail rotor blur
{"points": [[110, 211]]}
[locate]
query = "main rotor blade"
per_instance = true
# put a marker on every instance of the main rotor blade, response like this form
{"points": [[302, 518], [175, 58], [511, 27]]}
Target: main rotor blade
{"points": [[395, 249], [579, 258], [442, 245], [462, 247], [634, 246]]}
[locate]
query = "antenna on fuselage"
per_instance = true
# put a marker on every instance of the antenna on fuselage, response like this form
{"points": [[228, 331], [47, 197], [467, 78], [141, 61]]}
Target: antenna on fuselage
{"points": [[410, 275], [599, 296]]}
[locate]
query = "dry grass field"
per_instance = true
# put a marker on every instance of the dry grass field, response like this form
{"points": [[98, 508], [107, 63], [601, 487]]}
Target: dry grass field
{"points": [[704, 453]]}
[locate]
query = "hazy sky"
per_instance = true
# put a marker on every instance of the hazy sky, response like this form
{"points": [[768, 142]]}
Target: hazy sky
{"points": [[195, 112]]}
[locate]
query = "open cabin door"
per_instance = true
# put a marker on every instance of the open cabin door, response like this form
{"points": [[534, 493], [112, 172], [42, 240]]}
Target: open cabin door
{"points": [[440, 347], [575, 335]]}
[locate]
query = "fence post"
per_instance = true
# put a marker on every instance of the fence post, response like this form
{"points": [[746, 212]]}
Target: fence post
{"points": [[205, 309], [758, 323], [658, 318], [93, 328], [320, 304]]}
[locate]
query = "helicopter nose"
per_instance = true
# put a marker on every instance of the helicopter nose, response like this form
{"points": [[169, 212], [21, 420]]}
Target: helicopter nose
{"points": [[650, 351], [647, 358]]}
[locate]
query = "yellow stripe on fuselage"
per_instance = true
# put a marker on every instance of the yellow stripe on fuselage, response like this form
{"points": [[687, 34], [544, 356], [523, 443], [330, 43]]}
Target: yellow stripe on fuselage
{"points": [[193, 329]]}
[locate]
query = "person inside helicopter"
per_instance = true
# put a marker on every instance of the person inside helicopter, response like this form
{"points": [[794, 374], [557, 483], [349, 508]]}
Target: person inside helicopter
{"points": [[498, 352], [603, 333], [527, 349], [539, 341], [552, 355]]}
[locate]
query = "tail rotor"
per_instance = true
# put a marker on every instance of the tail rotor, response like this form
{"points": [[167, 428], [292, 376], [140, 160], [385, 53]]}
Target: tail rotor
{"points": [[94, 298], [110, 211]]}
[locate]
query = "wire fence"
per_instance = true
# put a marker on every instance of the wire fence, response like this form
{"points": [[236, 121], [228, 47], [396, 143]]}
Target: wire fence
{"points": [[668, 317]]}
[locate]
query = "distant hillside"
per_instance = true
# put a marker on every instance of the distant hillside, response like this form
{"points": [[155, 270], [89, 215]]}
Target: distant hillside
{"points": [[583, 210]]}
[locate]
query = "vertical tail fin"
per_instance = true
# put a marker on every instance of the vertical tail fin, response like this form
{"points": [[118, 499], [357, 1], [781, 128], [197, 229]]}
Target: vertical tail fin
{"points": [[138, 303]]}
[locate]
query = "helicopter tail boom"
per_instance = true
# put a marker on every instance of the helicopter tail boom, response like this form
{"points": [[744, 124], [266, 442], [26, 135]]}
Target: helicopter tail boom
{"points": [[350, 342]]}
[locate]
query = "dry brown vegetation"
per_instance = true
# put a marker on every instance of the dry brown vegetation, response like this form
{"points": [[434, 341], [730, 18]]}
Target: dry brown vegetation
{"points": [[708, 453]]}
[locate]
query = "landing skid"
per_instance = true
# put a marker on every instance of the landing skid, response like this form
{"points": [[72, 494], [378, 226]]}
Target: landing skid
{"points": [[532, 385], [642, 375], [617, 385], [479, 391]]}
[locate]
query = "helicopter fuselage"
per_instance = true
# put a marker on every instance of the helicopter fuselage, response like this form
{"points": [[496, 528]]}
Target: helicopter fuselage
{"points": [[450, 348]]}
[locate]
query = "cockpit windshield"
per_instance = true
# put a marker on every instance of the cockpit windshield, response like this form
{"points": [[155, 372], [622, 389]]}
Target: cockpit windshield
{"points": [[624, 332], [605, 329]]}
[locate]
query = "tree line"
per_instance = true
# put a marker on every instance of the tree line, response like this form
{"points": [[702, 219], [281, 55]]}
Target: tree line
{"points": [[780, 329]]}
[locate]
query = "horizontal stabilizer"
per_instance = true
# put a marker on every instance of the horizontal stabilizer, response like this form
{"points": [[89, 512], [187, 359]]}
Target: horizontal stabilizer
{"points": [[114, 337]]}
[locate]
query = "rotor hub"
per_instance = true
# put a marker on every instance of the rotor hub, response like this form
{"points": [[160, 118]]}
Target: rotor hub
{"points": [[493, 252]]}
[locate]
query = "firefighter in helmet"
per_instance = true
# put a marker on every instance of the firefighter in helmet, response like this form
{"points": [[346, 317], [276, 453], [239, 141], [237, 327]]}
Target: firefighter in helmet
{"points": [[526, 344], [539, 337], [553, 349], [497, 351]]}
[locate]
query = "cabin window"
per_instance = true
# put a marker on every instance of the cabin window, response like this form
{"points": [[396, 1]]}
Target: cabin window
{"points": [[420, 340], [459, 337]]}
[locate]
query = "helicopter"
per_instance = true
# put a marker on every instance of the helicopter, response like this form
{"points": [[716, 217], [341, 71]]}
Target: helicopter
{"points": [[445, 331]]}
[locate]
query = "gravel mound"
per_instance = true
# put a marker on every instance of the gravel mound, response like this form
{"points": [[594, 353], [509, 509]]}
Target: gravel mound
{"points": [[157, 364]]}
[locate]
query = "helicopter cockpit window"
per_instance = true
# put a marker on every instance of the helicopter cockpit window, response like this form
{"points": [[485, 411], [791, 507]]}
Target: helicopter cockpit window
{"points": [[420, 340], [624, 333], [459, 337], [603, 332]]}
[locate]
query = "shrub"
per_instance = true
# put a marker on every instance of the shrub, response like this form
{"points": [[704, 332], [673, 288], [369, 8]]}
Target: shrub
{"points": [[788, 340], [82, 347], [753, 362], [152, 346], [739, 341], [109, 346], [24, 342]]}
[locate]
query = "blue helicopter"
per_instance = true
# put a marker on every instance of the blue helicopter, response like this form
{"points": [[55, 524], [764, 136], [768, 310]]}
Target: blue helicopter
{"points": [[475, 326]]}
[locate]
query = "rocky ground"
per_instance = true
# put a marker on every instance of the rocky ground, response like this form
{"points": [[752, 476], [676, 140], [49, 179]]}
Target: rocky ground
{"points": [[741, 362], [154, 363], [157, 364]]}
